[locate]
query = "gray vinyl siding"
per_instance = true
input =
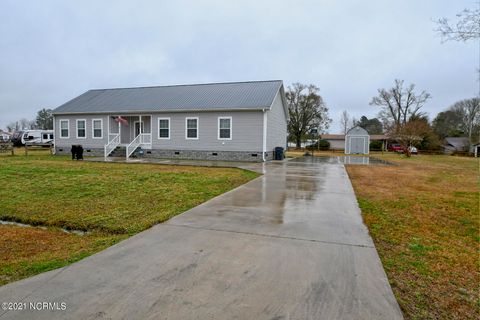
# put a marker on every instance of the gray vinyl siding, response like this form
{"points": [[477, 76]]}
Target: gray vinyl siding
{"points": [[276, 125], [247, 131], [88, 142], [337, 144]]}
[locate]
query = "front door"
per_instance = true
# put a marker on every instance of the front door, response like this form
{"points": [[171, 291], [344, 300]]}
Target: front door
{"points": [[137, 128]]}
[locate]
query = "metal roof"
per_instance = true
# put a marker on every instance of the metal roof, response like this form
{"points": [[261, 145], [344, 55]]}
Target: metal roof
{"points": [[342, 137], [333, 136], [458, 142], [251, 95]]}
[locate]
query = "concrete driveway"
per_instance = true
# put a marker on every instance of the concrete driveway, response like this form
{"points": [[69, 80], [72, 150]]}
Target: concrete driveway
{"points": [[288, 245]]}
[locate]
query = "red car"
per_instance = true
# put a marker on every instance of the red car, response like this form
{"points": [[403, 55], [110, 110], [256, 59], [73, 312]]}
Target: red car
{"points": [[395, 147]]}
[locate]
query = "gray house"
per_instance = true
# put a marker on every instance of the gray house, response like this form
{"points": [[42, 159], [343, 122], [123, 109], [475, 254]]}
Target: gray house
{"points": [[223, 121], [456, 144]]}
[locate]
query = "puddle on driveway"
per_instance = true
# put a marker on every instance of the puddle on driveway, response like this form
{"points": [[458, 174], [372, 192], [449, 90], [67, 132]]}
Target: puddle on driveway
{"points": [[344, 160], [363, 160]]}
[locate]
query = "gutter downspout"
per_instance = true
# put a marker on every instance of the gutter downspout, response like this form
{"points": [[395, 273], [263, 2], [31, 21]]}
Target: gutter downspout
{"points": [[54, 137], [264, 135]]}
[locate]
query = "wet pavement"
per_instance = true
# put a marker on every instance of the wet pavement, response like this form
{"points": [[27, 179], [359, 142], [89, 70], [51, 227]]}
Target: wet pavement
{"points": [[290, 244], [363, 160]]}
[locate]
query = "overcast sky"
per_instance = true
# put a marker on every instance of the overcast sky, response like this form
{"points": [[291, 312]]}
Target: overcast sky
{"points": [[52, 51]]}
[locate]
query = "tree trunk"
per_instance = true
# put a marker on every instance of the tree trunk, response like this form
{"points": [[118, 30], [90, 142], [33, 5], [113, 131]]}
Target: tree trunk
{"points": [[299, 142], [407, 152]]}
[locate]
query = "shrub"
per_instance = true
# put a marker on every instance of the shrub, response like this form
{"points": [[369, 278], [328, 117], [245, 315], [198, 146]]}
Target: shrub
{"points": [[320, 145], [376, 145]]}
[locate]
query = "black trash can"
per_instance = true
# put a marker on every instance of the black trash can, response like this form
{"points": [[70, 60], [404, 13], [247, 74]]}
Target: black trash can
{"points": [[79, 152], [279, 154], [74, 151]]}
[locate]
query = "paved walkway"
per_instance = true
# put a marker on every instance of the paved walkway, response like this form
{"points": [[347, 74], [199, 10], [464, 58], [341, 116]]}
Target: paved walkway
{"points": [[288, 245]]}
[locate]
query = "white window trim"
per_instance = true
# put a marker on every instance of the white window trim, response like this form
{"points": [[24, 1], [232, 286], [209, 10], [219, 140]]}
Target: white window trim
{"points": [[68, 129], [231, 128], [158, 122], [76, 129], [93, 128], [186, 128]]}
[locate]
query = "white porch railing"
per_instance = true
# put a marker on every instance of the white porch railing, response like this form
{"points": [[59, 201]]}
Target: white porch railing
{"points": [[141, 139], [146, 138], [111, 145], [133, 145]]}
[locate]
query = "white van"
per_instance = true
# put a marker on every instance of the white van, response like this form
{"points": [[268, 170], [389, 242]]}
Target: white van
{"points": [[37, 137]]}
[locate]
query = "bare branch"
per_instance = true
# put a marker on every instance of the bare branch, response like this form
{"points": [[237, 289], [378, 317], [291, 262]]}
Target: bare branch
{"points": [[399, 104], [466, 28]]}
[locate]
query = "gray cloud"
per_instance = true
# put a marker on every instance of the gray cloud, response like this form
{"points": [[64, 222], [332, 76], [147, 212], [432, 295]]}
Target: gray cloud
{"points": [[54, 50]]}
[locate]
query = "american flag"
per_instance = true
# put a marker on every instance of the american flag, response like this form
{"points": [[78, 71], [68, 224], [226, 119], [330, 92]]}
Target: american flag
{"points": [[121, 120]]}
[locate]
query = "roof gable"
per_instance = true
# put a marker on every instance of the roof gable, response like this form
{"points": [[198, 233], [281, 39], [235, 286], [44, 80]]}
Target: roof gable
{"points": [[357, 131], [198, 97]]}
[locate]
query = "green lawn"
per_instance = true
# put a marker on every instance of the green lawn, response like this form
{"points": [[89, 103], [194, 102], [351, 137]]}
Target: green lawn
{"points": [[110, 200], [423, 215]]}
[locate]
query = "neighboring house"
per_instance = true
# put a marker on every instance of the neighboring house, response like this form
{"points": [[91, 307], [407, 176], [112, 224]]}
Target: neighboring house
{"points": [[337, 141], [219, 121], [475, 149], [456, 144], [5, 136]]}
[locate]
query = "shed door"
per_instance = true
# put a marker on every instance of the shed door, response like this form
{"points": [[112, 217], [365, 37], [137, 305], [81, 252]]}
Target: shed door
{"points": [[357, 145]]}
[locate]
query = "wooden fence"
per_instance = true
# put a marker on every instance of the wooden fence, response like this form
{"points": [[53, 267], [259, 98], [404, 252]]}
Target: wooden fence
{"points": [[38, 146], [7, 147]]}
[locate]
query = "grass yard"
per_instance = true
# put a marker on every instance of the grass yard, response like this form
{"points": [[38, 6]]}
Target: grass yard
{"points": [[28, 251], [423, 215], [111, 201]]}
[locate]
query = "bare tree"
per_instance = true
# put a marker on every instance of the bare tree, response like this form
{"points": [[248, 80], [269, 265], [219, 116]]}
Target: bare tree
{"points": [[399, 104], [353, 122], [345, 121], [469, 109], [307, 112], [466, 28], [12, 127], [22, 124], [27, 124]]}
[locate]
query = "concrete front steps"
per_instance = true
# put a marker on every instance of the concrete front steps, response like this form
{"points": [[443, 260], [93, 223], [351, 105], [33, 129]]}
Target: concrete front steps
{"points": [[119, 152]]}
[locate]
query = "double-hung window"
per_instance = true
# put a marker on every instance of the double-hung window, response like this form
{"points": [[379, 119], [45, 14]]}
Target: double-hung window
{"points": [[225, 128], [191, 128], [163, 128], [97, 128], [81, 129], [64, 132]]}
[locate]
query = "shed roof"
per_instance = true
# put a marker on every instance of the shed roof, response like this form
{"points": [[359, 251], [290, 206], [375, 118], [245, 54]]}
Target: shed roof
{"points": [[252, 95], [357, 130]]}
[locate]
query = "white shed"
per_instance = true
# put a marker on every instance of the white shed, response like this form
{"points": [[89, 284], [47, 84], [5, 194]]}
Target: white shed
{"points": [[357, 141]]}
